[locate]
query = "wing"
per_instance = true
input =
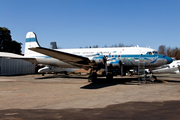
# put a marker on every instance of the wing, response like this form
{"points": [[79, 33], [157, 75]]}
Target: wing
{"points": [[63, 56], [15, 56]]}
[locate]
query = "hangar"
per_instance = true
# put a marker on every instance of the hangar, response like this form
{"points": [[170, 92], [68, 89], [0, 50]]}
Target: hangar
{"points": [[16, 67]]}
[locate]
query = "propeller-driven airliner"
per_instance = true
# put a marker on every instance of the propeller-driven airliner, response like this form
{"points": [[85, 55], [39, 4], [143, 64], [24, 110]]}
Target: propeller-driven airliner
{"points": [[111, 60]]}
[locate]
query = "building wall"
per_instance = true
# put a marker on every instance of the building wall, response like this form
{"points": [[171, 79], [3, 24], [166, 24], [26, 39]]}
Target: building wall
{"points": [[15, 67]]}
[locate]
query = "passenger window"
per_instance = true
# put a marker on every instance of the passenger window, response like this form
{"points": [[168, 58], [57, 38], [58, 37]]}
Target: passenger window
{"points": [[118, 55], [150, 53], [112, 55]]}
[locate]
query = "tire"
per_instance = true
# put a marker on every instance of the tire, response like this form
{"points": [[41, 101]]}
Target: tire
{"points": [[109, 76], [93, 77]]}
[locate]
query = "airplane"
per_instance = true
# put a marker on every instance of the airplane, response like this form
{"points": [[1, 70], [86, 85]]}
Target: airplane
{"points": [[112, 60], [172, 68]]}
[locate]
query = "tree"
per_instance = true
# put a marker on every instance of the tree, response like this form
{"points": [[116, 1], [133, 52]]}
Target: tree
{"points": [[121, 45], [6, 42], [95, 46], [170, 52], [176, 53], [162, 50], [105, 46]]}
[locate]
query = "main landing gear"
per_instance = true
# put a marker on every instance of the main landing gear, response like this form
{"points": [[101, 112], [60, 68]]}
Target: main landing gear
{"points": [[152, 78], [93, 76], [109, 76]]}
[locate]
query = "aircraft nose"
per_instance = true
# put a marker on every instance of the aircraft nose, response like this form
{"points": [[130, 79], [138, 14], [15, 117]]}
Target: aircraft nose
{"points": [[169, 60]]}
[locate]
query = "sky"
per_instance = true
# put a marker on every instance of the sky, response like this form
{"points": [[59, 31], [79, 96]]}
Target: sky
{"points": [[84, 23]]}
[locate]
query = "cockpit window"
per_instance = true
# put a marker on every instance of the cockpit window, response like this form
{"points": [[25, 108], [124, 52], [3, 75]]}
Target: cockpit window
{"points": [[150, 53], [155, 52]]}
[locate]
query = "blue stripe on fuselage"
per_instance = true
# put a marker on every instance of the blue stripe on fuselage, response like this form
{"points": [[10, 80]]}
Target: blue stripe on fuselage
{"points": [[154, 61], [123, 56], [137, 56]]}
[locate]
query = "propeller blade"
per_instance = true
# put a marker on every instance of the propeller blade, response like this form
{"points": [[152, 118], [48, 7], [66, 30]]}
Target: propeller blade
{"points": [[105, 64], [121, 70], [106, 69]]}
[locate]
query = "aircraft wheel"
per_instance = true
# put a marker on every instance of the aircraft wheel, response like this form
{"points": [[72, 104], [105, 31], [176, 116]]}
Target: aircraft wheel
{"points": [[109, 76], [90, 78], [93, 77], [65, 72], [152, 78], [103, 73]]}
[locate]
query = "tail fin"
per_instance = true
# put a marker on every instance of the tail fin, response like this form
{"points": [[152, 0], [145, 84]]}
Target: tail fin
{"points": [[31, 41]]}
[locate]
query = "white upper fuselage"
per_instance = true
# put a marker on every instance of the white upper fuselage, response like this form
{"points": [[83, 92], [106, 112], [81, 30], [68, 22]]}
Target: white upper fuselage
{"points": [[88, 52]]}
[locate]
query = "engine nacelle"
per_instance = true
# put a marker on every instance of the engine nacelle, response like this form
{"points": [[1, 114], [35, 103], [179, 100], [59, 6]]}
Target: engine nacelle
{"points": [[97, 60], [115, 63]]}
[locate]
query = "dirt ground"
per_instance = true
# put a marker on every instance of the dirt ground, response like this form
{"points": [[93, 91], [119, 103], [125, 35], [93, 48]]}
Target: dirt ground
{"points": [[73, 97]]}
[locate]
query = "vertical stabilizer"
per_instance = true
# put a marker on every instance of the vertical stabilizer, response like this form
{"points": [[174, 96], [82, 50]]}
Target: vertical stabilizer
{"points": [[53, 45], [31, 41]]}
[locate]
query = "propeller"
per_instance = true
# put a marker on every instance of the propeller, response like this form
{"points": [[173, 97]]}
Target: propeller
{"points": [[121, 70], [105, 62], [105, 59]]}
